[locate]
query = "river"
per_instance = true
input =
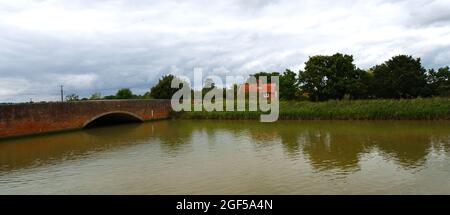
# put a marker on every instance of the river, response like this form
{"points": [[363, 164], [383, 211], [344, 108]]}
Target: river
{"points": [[233, 157]]}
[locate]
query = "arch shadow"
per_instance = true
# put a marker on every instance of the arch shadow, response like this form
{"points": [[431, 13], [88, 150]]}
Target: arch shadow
{"points": [[112, 118]]}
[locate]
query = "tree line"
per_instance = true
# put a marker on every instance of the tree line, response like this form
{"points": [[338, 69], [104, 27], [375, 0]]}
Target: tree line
{"points": [[402, 76], [336, 77], [123, 93]]}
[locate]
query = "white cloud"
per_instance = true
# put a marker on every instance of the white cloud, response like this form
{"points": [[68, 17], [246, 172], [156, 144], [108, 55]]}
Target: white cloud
{"points": [[101, 45], [78, 80], [12, 86]]}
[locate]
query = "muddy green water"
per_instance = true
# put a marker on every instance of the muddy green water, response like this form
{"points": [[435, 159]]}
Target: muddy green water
{"points": [[233, 157]]}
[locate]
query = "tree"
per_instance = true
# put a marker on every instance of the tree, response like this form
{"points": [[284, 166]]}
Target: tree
{"points": [[124, 93], [360, 87], [72, 97], [400, 77], [209, 85], [163, 89], [331, 77], [96, 96], [439, 81], [146, 95], [289, 86], [266, 74], [110, 97], [232, 90]]}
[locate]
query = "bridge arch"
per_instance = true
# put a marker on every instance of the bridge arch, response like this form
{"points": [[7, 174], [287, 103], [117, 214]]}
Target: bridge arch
{"points": [[112, 118]]}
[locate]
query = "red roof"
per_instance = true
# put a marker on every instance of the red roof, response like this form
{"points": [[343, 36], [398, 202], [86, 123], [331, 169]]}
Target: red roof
{"points": [[261, 87]]}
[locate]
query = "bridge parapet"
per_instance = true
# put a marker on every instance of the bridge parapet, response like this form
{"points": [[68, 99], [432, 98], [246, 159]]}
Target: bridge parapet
{"points": [[25, 119]]}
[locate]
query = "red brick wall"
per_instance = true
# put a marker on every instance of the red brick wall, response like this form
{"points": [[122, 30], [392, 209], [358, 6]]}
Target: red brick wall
{"points": [[24, 119]]}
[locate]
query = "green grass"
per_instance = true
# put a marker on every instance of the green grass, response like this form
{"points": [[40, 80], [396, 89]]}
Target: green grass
{"points": [[405, 109]]}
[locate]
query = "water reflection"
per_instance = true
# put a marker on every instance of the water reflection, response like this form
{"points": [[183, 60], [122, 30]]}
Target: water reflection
{"points": [[44, 149], [325, 146], [173, 138], [341, 144]]}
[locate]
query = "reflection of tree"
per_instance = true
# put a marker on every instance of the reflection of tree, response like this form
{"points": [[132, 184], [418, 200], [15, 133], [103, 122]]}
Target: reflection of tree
{"points": [[263, 136], [327, 150], [22, 152], [408, 143], [441, 142], [174, 136], [408, 150], [340, 144], [325, 144], [328, 145], [290, 142]]}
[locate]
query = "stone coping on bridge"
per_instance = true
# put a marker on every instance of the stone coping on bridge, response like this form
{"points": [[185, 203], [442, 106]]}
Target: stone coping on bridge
{"points": [[90, 100]]}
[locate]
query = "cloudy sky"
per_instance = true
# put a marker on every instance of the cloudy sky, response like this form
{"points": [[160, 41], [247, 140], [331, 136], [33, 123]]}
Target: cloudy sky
{"points": [[101, 45]]}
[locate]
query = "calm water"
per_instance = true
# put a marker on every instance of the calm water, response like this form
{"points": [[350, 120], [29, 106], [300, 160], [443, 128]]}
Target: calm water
{"points": [[233, 157]]}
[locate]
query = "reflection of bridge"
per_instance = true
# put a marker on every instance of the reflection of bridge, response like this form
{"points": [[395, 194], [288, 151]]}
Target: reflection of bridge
{"points": [[23, 119]]}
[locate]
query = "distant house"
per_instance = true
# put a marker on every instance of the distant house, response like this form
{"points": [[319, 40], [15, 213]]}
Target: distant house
{"points": [[268, 90]]}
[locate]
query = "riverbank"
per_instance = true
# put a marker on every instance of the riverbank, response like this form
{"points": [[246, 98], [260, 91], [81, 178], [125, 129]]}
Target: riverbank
{"points": [[404, 109]]}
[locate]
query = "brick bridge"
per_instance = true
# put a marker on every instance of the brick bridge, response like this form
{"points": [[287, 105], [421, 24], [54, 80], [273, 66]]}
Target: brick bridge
{"points": [[25, 119]]}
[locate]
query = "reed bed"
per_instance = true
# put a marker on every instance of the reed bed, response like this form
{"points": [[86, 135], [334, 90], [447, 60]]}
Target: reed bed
{"points": [[380, 109]]}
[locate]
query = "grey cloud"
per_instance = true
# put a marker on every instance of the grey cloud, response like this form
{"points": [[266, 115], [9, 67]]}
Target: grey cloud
{"points": [[91, 46], [430, 13]]}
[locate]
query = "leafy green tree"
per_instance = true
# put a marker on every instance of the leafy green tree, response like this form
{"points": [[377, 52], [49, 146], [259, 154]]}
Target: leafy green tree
{"points": [[331, 77], [209, 85], [232, 90], [146, 95], [96, 96], [72, 97], [400, 77], [163, 89], [124, 93], [266, 74], [439, 81], [360, 87], [289, 86], [110, 97]]}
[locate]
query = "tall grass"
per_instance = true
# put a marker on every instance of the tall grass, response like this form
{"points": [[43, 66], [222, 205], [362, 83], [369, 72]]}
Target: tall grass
{"points": [[405, 109]]}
